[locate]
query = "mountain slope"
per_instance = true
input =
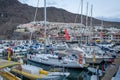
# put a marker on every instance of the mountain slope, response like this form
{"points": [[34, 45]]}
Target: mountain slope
{"points": [[12, 13]]}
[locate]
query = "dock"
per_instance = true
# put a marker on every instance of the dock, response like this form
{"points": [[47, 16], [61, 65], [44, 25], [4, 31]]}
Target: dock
{"points": [[6, 74], [112, 69], [6, 63]]}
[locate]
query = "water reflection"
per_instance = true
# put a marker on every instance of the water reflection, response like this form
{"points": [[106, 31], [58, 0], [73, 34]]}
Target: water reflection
{"points": [[75, 74]]}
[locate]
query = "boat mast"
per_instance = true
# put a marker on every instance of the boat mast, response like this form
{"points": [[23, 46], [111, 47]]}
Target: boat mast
{"points": [[87, 15], [81, 19], [81, 11], [34, 21], [91, 18], [36, 11], [101, 30], [76, 17], [77, 14], [87, 19], [91, 25], [45, 24]]}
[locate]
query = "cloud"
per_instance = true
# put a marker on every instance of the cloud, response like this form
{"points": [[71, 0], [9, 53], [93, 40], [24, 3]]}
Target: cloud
{"points": [[51, 3], [100, 7], [113, 13], [32, 2], [24, 1], [41, 2], [115, 19]]}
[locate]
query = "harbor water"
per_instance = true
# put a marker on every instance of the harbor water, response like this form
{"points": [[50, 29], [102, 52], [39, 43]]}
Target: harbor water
{"points": [[75, 74]]}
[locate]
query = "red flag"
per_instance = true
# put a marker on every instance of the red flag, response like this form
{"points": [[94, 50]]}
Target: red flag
{"points": [[66, 34]]}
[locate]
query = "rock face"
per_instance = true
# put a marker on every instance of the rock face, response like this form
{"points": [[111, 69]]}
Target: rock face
{"points": [[12, 13]]}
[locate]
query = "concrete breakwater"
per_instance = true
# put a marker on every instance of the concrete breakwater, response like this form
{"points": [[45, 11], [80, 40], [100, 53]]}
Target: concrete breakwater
{"points": [[112, 69]]}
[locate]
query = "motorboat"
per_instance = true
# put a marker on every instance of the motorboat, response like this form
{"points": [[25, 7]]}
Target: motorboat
{"points": [[34, 72]]}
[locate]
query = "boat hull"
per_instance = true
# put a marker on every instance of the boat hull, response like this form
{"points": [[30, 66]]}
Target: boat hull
{"points": [[55, 62], [36, 77]]}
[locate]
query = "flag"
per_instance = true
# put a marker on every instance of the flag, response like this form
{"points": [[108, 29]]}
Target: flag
{"points": [[67, 37]]}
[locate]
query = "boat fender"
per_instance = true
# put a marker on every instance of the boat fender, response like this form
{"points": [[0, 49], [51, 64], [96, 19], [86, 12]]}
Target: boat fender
{"points": [[43, 72], [80, 59]]}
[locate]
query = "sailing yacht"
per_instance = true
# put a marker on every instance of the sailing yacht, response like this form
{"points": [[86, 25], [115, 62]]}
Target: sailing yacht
{"points": [[88, 53], [59, 60], [53, 59]]}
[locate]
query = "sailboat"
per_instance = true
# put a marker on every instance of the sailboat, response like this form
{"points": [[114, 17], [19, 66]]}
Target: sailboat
{"points": [[54, 59], [69, 61], [72, 59]]}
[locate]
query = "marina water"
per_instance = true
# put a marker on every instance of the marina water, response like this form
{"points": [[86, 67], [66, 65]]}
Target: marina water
{"points": [[75, 74]]}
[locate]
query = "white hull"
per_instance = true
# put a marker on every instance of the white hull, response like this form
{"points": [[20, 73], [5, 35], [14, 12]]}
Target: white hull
{"points": [[33, 72], [54, 62]]}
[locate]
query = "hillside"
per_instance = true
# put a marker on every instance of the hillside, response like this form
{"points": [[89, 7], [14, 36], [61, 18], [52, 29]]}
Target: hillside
{"points": [[12, 13]]}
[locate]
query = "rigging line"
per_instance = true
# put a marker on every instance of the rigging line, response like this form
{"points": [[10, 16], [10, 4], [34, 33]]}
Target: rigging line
{"points": [[36, 11], [78, 13], [34, 21], [87, 14], [77, 16]]}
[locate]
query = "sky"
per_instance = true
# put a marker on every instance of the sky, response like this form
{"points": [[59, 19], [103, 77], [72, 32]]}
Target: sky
{"points": [[107, 9]]}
